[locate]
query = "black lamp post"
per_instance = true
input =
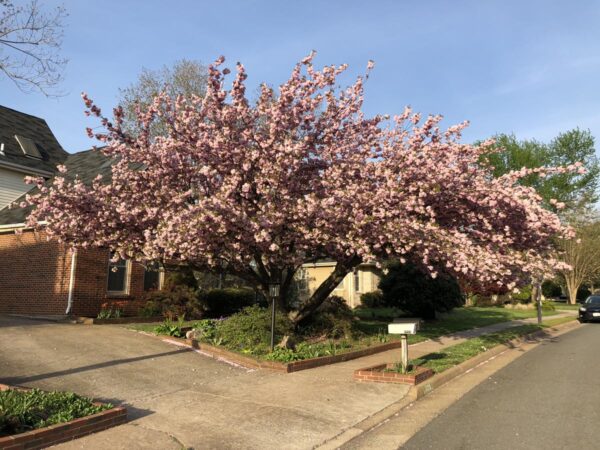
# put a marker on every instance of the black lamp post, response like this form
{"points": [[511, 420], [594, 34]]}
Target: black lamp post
{"points": [[274, 294]]}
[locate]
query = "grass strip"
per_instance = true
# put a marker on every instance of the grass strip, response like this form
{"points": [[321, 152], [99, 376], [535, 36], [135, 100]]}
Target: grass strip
{"points": [[459, 353]]}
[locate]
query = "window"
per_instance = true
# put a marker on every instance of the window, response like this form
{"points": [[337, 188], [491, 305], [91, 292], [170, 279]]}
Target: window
{"points": [[356, 281], [118, 277], [153, 277], [28, 146], [302, 281]]}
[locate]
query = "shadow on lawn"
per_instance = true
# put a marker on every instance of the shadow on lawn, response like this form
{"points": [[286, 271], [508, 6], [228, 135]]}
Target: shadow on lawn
{"points": [[15, 381]]}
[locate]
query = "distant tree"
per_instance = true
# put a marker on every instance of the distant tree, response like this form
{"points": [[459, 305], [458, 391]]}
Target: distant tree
{"points": [[186, 78], [30, 40], [577, 190], [583, 256]]}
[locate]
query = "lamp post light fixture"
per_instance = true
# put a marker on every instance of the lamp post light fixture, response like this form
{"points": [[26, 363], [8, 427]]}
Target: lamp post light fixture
{"points": [[274, 294]]}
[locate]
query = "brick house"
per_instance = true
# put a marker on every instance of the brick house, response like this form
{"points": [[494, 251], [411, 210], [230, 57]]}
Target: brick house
{"points": [[41, 277]]}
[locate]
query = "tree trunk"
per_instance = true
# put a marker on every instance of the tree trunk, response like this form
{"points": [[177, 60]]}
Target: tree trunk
{"points": [[323, 291], [572, 289]]}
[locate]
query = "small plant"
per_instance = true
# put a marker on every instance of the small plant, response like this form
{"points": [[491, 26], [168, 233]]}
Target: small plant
{"points": [[110, 313], [382, 336], [171, 328], [401, 368]]}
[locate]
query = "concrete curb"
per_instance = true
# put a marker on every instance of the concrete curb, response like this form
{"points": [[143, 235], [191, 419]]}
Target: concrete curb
{"points": [[417, 392]]}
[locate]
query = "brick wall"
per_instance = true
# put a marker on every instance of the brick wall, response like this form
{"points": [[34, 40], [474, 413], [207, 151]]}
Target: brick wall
{"points": [[35, 274]]}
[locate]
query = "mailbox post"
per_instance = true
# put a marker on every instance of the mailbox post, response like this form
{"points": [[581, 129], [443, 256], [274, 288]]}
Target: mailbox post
{"points": [[404, 327]]}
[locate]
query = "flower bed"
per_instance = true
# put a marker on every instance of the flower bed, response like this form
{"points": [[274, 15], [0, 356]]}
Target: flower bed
{"points": [[387, 373], [58, 429], [219, 352]]}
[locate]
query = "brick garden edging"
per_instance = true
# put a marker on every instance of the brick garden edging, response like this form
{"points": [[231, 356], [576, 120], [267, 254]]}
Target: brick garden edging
{"points": [[294, 366], [379, 375], [63, 432]]}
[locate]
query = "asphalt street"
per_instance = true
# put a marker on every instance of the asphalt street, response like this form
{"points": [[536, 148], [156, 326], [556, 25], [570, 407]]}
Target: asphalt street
{"points": [[547, 399]]}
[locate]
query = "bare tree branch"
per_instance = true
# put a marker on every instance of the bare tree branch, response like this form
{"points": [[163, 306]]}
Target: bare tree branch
{"points": [[30, 41]]}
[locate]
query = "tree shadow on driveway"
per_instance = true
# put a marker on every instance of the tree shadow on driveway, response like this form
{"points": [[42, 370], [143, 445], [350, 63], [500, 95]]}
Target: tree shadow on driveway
{"points": [[16, 381]]}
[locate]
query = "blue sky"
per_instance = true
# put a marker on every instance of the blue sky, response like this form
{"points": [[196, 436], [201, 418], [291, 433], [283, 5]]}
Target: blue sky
{"points": [[528, 67]]}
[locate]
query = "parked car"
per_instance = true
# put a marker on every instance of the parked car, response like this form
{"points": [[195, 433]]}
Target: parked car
{"points": [[590, 309]]}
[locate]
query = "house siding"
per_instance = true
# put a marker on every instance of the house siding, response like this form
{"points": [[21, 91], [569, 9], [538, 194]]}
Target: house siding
{"points": [[35, 275], [12, 186], [368, 281]]}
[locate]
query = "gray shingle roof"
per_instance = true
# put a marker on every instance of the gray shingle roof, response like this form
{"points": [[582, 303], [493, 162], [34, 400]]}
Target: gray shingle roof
{"points": [[87, 165], [17, 123]]}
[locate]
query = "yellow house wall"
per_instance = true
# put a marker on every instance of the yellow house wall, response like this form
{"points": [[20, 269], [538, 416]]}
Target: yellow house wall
{"points": [[368, 281]]}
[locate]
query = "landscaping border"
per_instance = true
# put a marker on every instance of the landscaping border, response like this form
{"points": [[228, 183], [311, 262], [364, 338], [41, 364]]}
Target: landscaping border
{"points": [[294, 366], [378, 374], [63, 432]]}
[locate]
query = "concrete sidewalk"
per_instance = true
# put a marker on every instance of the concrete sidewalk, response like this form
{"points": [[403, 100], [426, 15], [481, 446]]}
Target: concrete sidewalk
{"points": [[179, 398]]}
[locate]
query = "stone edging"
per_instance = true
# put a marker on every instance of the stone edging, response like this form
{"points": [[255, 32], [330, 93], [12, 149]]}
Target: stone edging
{"points": [[63, 432]]}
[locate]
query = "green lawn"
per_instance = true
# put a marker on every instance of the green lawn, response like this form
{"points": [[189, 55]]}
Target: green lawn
{"points": [[456, 354], [566, 306], [459, 319]]}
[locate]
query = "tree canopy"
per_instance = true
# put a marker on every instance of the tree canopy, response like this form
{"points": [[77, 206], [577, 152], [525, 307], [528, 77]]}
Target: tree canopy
{"points": [[185, 78], [578, 191], [300, 175]]}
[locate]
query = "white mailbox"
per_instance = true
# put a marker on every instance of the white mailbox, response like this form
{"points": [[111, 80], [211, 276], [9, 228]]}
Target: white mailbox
{"points": [[404, 326]]}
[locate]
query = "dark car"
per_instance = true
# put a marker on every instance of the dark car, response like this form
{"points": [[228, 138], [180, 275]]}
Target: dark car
{"points": [[590, 309]]}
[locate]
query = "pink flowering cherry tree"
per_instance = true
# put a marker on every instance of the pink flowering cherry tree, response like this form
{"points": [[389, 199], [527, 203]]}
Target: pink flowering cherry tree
{"points": [[260, 188]]}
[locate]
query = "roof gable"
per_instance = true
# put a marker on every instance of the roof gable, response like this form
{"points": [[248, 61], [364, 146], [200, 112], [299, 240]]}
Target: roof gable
{"points": [[14, 123]]}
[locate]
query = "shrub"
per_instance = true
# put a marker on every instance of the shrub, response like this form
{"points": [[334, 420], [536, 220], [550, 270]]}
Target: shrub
{"points": [[184, 276], [249, 331], [583, 293], [224, 302], [207, 329], [174, 300], [372, 300], [524, 294], [332, 319], [21, 411], [550, 289], [406, 287]]}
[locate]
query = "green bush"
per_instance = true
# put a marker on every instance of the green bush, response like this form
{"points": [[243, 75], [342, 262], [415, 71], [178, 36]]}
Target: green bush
{"points": [[583, 293], [407, 287], [173, 300], [524, 294], [333, 319], [372, 300], [550, 289], [249, 331], [22, 411], [224, 302]]}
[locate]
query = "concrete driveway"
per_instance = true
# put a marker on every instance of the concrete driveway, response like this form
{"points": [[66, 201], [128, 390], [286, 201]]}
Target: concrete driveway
{"points": [[179, 398]]}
